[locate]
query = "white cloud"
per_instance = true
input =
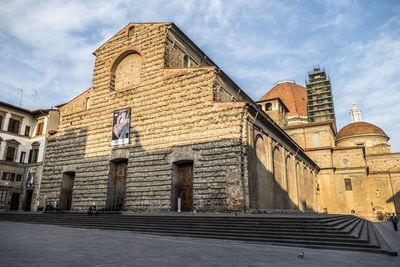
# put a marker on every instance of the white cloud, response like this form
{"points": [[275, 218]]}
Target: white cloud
{"points": [[47, 46], [368, 74]]}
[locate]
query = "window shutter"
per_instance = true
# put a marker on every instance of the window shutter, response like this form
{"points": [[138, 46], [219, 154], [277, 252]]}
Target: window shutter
{"points": [[16, 126], [10, 153], [30, 156], [39, 128], [10, 125]]}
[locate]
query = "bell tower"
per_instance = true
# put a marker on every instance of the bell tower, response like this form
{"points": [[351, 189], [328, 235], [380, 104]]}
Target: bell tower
{"points": [[319, 96], [355, 114]]}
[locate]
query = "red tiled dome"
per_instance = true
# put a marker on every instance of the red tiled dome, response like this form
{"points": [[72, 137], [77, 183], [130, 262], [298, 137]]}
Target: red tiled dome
{"points": [[359, 128], [294, 96]]}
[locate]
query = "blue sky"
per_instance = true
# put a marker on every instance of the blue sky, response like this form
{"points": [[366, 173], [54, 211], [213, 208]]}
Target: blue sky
{"points": [[47, 46]]}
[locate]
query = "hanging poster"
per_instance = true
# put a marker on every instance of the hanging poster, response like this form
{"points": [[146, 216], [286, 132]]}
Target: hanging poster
{"points": [[121, 125]]}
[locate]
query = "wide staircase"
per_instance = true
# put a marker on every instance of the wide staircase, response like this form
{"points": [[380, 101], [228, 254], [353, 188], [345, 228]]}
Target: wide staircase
{"points": [[338, 232]]}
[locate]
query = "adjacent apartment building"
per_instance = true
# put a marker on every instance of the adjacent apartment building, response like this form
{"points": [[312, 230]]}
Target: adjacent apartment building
{"points": [[23, 135]]}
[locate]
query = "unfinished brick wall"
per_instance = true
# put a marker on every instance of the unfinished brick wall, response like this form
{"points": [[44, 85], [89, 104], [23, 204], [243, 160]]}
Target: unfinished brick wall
{"points": [[170, 110], [193, 114], [174, 56]]}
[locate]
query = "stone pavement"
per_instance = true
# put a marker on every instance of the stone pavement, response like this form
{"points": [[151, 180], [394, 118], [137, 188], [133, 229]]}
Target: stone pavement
{"points": [[47, 245], [390, 235]]}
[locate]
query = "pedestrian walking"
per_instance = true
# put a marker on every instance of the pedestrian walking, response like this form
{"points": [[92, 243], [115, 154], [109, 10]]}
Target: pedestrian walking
{"points": [[394, 220]]}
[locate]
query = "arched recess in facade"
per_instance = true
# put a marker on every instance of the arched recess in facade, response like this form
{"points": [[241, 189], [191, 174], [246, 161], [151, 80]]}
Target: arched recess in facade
{"points": [[291, 184], [263, 181], [299, 182], [395, 193], [310, 186], [125, 71], [280, 193]]}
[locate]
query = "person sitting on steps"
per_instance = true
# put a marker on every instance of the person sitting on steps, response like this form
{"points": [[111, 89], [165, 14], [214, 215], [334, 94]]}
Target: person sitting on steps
{"points": [[93, 211]]}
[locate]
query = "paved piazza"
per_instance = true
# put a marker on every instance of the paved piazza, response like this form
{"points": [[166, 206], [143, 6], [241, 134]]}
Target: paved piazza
{"points": [[46, 245]]}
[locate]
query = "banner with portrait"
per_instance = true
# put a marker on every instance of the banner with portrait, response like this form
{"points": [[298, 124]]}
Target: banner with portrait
{"points": [[121, 126]]}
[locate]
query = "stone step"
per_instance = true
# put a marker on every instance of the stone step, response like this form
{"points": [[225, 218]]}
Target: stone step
{"points": [[233, 225], [331, 232], [376, 239], [239, 237], [222, 231], [293, 232]]}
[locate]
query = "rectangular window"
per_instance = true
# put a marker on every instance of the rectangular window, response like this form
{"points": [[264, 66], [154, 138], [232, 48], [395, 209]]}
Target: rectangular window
{"points": [[35, 155], [22, 158], [13, 126], [10, 153], [12, 177], [316, 140], [185, 61], [347, 184], [6, 176], [39, 128], [87, 104], [3, 194], [1, 122], [27, 130], [19, 178]]}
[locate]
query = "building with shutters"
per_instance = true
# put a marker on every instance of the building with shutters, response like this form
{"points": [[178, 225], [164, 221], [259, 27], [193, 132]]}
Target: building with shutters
{"points": [[23, 135]]}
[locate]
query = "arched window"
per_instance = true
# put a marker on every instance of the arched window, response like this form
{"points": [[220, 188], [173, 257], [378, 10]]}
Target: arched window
{"points": [[126, 70], [268, 107], [185, 61]]}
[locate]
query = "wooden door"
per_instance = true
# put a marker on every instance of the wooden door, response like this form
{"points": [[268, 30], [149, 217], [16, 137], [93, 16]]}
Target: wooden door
{"points": [[28, 200], [14, 201], [120, 178], [70, 190], [185, 184], [67, 186]]}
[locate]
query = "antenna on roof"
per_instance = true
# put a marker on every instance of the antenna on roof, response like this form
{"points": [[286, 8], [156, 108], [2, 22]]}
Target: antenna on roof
{"points": [[20, 99]]}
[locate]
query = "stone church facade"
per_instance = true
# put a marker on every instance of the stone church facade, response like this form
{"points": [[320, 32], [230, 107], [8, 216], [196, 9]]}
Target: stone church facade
{"points": [[163, 128]]}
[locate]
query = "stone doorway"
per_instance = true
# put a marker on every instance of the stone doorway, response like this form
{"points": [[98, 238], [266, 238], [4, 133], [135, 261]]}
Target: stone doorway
{"points": [[120, 179], [185, 186], [14, 201], [117, 184], [67, 186], [28, 200]]}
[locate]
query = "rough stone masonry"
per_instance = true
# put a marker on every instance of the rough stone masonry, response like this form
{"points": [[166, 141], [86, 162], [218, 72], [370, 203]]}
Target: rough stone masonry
{"points": [[185, 111]]}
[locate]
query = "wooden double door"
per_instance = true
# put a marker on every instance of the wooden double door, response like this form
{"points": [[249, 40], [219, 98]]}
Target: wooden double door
{"points": [[119, 183], [28, 200], [14, 201], [185, 186]]}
